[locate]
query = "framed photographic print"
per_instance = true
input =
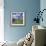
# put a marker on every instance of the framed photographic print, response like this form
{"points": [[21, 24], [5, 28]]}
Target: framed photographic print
{"points": [[17, 18]]}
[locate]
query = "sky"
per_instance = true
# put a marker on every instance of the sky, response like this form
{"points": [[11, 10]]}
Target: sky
{"points": [[17, 15]]}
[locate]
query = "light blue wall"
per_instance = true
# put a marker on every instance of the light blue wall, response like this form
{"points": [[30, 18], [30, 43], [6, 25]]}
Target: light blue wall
{"points": [[43, 6], [30, 7]]}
